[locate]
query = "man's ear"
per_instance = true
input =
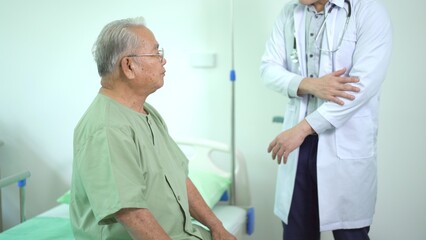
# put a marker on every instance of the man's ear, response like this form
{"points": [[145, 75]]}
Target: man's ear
{"points": [[128, 67]]}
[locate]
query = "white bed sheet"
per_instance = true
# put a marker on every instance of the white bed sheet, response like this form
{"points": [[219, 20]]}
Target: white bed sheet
{"points": [[233, 218]]}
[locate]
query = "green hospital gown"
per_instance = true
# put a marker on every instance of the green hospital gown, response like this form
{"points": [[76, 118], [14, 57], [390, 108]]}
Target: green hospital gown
{"points": [[125, 159]]}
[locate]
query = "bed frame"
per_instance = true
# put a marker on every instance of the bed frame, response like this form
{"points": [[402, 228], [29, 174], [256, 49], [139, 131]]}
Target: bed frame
{"points": [[238, 215], [238, 218]]}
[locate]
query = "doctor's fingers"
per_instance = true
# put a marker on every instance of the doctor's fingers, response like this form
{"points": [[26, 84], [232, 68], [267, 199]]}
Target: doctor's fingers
{"points": [[282, 157], [279, 154], [350, 88], [336, 100], [344, 92], [346, 83], [339, 72], [274, 149], [350, 79], [272, 145]]}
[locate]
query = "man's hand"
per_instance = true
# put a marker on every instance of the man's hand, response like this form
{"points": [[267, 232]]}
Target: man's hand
{"points": [[202, 212], [289, 140], [222, 234], [330, 87]]}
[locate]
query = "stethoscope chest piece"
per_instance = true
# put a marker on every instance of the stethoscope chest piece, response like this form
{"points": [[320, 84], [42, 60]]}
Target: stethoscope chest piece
{"points": [[293, 56]]}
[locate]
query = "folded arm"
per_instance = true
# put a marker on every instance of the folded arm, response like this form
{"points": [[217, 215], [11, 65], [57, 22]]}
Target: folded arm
{"points": [[141, 224], [331, 87]]}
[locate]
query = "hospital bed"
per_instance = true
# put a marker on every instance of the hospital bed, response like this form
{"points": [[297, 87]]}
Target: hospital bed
{"points": [[210, 172]]}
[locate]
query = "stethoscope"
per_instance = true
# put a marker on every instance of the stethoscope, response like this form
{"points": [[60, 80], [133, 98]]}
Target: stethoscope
{"points": [[293, 54]]}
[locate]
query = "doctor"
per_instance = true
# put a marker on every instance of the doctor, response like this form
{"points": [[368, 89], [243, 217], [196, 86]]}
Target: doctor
{"points": [[329, 58]]}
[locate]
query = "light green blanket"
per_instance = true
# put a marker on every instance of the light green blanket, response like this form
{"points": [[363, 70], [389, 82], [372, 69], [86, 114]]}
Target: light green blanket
{"points": [[40, 228]]}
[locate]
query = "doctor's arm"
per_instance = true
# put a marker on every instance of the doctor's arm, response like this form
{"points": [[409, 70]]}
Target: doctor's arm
{"points": [[202, 212], [331, 87], [287, 141], [370, 61], [276, 74], [141, 224]]}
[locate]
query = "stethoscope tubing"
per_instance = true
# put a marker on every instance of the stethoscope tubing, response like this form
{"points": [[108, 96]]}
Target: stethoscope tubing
{"points": [[294, 57]]}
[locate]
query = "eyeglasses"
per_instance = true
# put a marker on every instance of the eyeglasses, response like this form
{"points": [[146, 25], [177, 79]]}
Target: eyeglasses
{"points": [[160, 54]]}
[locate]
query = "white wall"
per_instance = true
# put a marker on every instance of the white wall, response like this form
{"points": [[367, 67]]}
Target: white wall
{"points": [[49, 78], [401, 208]]}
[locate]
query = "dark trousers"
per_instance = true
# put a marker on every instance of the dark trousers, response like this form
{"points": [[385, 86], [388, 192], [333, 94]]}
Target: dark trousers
{"points": [[303, 219]]}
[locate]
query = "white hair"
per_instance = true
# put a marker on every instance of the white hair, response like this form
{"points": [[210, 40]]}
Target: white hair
{"points": [[114, 41]]}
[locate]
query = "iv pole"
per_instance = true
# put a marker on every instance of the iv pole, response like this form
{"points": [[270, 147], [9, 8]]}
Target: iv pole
{"points": [[232, 77]]}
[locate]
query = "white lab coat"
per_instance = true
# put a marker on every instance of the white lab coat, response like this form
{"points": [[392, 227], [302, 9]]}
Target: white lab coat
{"points": [[346, 161]]}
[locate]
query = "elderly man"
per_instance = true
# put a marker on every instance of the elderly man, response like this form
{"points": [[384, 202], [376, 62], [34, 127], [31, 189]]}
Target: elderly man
{"points": [[130, 179]]}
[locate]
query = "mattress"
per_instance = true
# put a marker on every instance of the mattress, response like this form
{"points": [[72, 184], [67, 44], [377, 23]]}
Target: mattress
{"points": [[55, 224]]}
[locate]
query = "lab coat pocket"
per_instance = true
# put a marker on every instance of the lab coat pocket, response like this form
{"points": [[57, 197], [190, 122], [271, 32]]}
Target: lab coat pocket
{"points": [[344, 54], [355, 139]]}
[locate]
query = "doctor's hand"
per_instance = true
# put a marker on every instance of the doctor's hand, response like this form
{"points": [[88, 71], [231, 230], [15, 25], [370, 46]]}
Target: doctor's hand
{"points": [[289, 140], [330, 87]]}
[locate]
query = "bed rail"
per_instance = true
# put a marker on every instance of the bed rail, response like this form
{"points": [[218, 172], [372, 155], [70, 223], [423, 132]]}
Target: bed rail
{"points": [[21, 180], [205, 147]]}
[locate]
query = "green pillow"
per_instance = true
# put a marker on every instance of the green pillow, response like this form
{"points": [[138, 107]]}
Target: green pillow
{"points": [[64, 198], [211, 186]]}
